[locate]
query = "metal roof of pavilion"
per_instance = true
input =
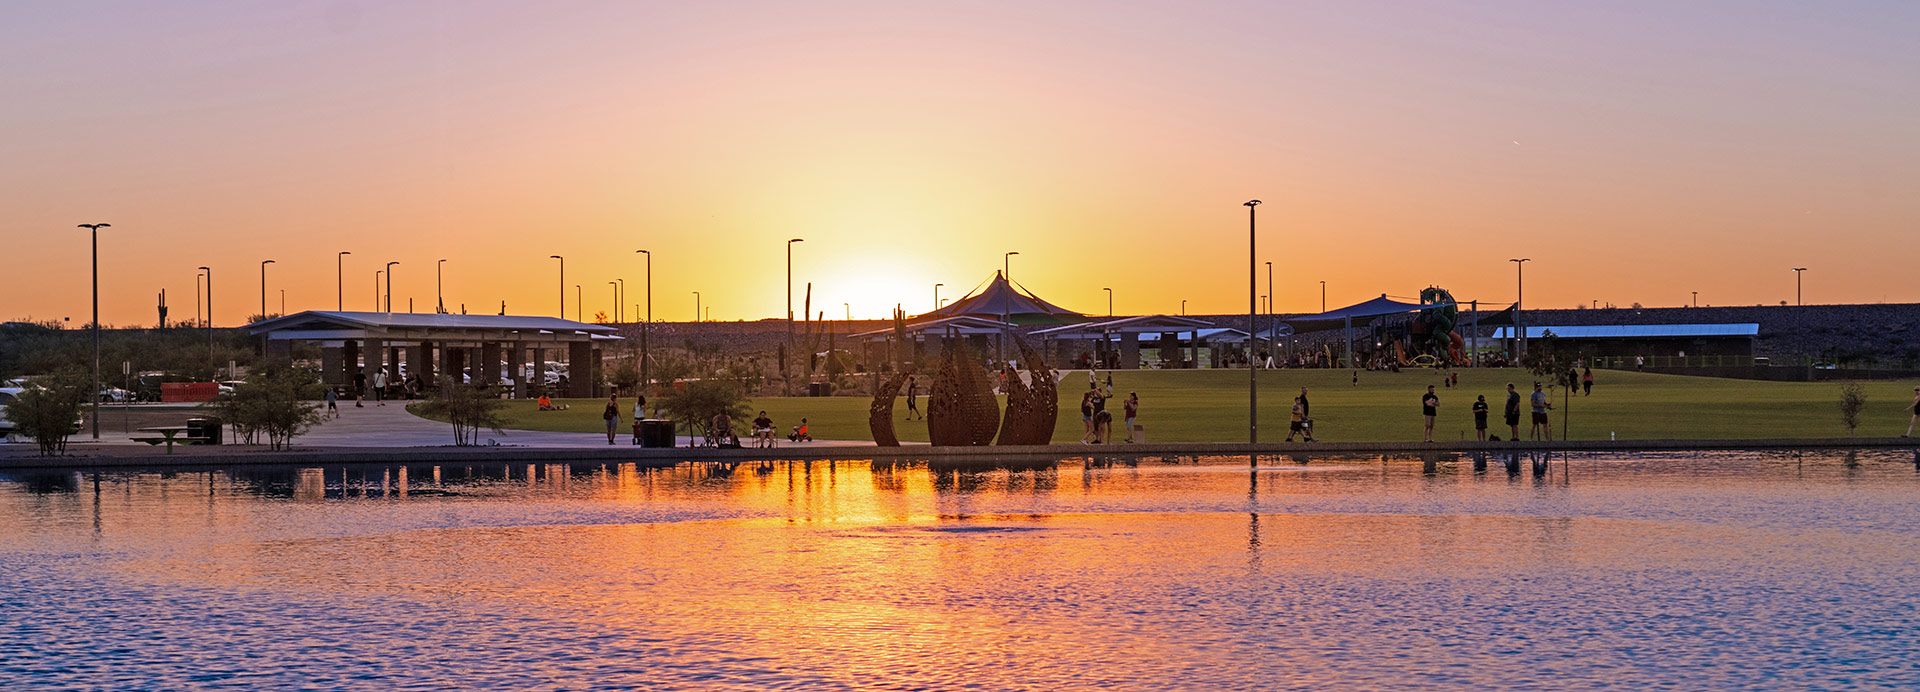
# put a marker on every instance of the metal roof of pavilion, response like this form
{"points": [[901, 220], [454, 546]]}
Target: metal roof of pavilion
{"points": [[1143, 324], [323, 325], [1359, 313], [1637, 331], [1001, 297], [964, 325]]}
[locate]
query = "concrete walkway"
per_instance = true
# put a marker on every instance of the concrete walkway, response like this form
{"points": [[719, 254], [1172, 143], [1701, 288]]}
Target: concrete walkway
{"points": [[392, 426]]}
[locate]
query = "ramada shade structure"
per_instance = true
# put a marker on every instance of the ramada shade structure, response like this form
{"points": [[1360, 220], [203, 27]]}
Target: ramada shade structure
{"points": [[1000, 297], [367, 342]]}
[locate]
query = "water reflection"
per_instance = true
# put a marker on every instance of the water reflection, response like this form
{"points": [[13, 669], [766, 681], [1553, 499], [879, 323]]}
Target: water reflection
{"points": [[1715, 570]]}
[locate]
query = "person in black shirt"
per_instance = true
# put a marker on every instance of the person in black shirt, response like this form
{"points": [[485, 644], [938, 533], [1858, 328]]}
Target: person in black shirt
{"points": [[1429, 408], [763, 431], [1480, 417], [913, 392], [1513, 412]]}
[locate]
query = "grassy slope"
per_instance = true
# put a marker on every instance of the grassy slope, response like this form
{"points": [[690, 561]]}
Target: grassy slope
{"points": [[1211, 406]]}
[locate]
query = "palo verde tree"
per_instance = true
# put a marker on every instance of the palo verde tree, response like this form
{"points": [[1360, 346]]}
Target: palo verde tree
{"points": [[47, 411], [272, 403], [468, 407]]}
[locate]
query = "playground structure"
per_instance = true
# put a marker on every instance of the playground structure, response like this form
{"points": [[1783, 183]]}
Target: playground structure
{"points": [[1431, 333]]}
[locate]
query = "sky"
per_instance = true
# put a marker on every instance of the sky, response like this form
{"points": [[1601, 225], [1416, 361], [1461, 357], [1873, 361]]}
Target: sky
{"points": [[1634, 151]]}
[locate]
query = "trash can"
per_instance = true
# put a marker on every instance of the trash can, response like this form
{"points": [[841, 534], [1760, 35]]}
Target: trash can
{"points": [[206, 429], [819, 389], [656, 432]]}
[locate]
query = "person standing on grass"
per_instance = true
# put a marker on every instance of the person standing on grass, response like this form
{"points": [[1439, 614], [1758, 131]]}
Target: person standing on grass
{"points": [[1513, 413], [1132, 409], [1429, 408], [1586, 381], [1480, 418], [612, 415], [1540, 407], [1086, 412], [1297, 422], [913, 394], [1914, 408]]}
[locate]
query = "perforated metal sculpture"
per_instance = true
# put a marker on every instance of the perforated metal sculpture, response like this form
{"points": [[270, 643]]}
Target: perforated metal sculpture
{"points": [[961, 408], [880, 414], [1032, 409]]}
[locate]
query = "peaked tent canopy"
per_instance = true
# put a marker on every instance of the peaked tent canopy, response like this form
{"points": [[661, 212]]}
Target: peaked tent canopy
{"points": [[1360, 313], [1000, 297]]}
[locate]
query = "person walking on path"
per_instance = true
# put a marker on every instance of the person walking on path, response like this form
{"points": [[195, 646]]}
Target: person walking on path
{"points": [[1132, 408], [1513, 414], [612, 415], [1297, 422], [913, 393], [333, 403], [1586, 381], [1915, 410], [379, 386], [1540, 407], [1480, 418], [1429, 408]]}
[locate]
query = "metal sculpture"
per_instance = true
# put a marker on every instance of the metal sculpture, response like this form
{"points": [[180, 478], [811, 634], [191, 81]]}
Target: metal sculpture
{"points": [[961, 408], [880, 414], [1032, 409]]}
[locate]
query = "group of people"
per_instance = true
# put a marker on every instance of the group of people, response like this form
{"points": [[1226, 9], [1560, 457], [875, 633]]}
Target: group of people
{"points": [[612, 414], [1538, 406], [1095, 416]]}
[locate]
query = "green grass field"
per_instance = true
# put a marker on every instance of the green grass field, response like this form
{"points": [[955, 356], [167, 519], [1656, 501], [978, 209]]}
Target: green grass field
{"points": [[1211, 406]]}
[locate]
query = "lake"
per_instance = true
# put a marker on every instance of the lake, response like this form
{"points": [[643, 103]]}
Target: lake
{"points": [[1713, 570]]}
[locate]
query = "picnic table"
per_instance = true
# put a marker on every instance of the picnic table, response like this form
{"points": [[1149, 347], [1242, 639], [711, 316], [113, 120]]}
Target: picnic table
{"points": [[168, 435]]}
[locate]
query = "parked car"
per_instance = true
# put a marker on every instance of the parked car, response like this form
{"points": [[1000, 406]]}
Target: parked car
{"points": [[7, 395]]}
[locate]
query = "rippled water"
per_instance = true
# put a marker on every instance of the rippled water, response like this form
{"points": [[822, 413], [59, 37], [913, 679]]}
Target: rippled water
{"points": [[1647, 571]]}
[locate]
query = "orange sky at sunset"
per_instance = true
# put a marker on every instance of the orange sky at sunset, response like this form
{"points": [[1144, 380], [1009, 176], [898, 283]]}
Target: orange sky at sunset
{"points": [[1636, 152]]}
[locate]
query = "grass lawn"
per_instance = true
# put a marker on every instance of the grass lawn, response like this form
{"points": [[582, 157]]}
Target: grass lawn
{"points": [[1211, 406]]}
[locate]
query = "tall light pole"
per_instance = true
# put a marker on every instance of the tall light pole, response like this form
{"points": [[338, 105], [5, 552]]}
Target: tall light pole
{"points": [[340, 280], [579, 302], [1109, 301], [1796, 286], [439, 298], [1323, 296], [377, 275], [209, 272], [936, 296], [390, 266], [1253, 374], [616, 301], [620, 301], [1520, 279], [94, 230], [263, 287], [563, 286], [849, 307], [696, 306], [1183, 307], [649, 324], [785, 371], [283, 301], [197, 276], [1271, 338], [1006, 303], [1696, 299]]}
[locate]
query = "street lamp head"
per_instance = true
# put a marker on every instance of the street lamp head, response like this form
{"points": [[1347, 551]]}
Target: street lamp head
{"points": [[443, 259], [266, 262], [1253, 203], [205, 269], [797, 240], [1799, 269], [555, 257], [1523, 259], [644, 252], [94, 226]]}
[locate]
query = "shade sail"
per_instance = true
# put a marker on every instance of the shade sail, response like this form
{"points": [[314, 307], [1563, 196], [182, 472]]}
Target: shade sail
{"points": [[999, 297]]}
